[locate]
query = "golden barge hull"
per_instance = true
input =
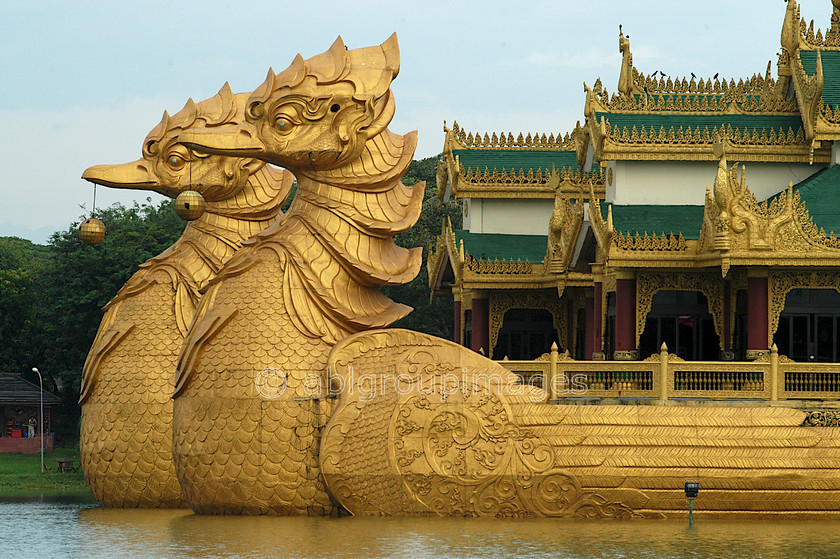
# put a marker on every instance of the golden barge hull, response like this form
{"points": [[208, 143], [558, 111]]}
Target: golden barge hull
{"points": [[448, 432]]}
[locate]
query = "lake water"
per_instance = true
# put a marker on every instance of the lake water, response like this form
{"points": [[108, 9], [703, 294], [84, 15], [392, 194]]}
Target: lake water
{"points": [[66, 528]]}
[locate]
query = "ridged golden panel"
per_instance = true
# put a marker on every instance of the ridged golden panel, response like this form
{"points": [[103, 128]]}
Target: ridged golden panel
{"points": [[129, 375], [251, 398], [426, 427]]}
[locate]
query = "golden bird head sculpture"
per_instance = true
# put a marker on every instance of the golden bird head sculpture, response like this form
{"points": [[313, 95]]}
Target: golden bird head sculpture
{"points": [[170, 168], [317, 114]]}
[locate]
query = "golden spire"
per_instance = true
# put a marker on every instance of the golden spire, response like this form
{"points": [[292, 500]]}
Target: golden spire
{"points": [[625, 77]]}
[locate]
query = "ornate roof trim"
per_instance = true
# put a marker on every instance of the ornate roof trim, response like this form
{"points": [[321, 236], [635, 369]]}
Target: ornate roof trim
{"points": [[797, 33], [602, 229], [696, 144], [444, 249], [692, 102], [521, 184], [460, 139], [496, 266], [821, 121], [564, 227], [739, 229], [646, 95], [631, 82], [808, 92], [511, 272], [669, 242], [455, 179]]}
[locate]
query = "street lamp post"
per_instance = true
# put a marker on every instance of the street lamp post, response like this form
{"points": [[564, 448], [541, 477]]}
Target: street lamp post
{"points": [[41, 380]]}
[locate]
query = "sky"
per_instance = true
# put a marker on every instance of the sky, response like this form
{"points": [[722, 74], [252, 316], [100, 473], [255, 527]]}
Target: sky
{"points": [[83, 82]]}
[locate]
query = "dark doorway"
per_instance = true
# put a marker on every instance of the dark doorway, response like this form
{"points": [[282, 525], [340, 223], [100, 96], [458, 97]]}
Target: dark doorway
{"points": [[681, 319], [525, 334], [808, 325]]}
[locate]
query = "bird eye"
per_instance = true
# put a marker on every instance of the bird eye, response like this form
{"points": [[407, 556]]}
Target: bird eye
{"points": [[175, 161], [283, 124]]}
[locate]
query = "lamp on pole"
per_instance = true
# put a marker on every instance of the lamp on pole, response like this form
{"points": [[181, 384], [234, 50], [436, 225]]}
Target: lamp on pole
{"points": [[41, 424], [692, 488]]}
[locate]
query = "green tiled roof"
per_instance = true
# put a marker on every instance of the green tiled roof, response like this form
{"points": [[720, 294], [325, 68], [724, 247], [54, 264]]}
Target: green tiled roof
{"points": [[657, 219], [490, 246], [821, 194], [514, 159], [831, 72], [741, 121]]}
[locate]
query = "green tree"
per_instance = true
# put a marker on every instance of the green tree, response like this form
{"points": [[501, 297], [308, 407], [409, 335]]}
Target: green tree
{"points": [[21, 263], [79, 280], [432, 316]]}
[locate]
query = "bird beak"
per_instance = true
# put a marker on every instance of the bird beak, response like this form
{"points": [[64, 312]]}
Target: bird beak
{"points": [[236, 141], [128, 175]]}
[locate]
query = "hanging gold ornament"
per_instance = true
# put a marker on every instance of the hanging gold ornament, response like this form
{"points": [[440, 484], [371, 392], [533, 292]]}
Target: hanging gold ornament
{"points": [[189, 205], [92, 231]]}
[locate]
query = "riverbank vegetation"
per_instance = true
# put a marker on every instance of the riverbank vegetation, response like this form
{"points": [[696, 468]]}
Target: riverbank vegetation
{"points": [[20, 474]]}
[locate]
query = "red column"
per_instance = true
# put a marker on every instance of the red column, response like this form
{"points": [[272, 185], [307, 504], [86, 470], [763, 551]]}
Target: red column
{"points": [[595, 335], [456, 333], [727, 320], [625, 319], [757, 317], [571, 322], [481, 325], [589, 340]]}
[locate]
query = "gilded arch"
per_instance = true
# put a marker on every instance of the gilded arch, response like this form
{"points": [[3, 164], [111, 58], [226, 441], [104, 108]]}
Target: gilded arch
{"points": [[710, 285], [500, 303], [782, 283]]}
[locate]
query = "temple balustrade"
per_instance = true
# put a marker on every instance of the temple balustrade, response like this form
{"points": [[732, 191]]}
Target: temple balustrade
{"points": [[665, 377]]}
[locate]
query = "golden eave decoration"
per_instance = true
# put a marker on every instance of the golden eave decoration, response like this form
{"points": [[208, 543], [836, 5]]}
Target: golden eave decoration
{"points": [[696, 144], [564, 228], [619, 249], [640, 94], [466, 182], [740, 230], [822, 122], [445, 250], [458, 138], [737, 230]]}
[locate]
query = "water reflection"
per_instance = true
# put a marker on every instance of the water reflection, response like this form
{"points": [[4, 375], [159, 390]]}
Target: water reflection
{"points": [[60, 529]]}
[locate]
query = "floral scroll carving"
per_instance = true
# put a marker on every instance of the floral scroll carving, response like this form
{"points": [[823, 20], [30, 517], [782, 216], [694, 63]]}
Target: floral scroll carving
{"points": [[822, 418], [451, 434]]}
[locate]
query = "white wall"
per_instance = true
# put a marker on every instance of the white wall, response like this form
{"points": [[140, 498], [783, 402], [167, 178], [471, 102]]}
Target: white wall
{"points": [[684, 182], [510, 216]]}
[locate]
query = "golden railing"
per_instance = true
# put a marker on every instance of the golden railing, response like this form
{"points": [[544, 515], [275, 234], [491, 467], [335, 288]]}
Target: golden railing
{"points": [[666, 377]]}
